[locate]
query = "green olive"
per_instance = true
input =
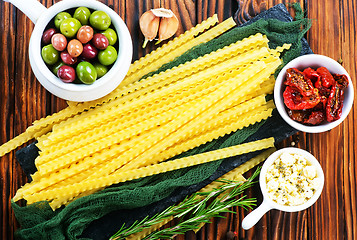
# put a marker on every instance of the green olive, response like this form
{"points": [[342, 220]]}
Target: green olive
{"points": [[100, 20], [60, 17], [108, 56], [70, 26], [49, 54], [86, 72], [82, 14], [111, 35], [101, 69], [56, 66], [77, 81]]}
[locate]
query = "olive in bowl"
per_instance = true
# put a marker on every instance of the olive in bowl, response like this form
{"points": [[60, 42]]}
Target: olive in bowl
{"points": [[305, 97], [44, 19], [80, 46]]}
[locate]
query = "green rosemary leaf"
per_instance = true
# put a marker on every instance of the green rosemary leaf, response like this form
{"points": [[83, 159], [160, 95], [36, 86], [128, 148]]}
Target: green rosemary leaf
{"points": [[193, 211]]}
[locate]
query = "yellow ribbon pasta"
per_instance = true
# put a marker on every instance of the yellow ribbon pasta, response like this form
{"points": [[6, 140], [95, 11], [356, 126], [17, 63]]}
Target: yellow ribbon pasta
{"points": [[126, 120], [132, 131], [178, 41], [175, 52], [114, 178], [228, 68]]}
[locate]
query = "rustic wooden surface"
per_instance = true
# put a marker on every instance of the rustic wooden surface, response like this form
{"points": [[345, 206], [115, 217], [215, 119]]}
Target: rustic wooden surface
{"points": [[333, 33]]}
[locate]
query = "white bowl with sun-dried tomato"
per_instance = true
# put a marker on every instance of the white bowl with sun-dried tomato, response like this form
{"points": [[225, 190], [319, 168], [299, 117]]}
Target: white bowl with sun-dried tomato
{"points": [[293, 92]]}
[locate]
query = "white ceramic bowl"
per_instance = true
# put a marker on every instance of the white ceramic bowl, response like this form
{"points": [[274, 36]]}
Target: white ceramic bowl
{"points": [[251, 219], [314, 61], [41, 16]]}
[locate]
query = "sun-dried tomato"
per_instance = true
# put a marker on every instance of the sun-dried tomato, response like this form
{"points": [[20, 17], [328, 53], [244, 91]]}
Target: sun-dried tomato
{"points": [[324, 91], [298, 115], [309, 117], [316, 117], [295, 101], [297, 79], [323, 100], [312, 75], [319, 106], [316, 80], [314, 96], [334, 103], [341, 79], [327, 79]]}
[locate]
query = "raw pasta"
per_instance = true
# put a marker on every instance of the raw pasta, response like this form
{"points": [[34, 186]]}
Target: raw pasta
{"points": [[131, 132], [108, 180]]}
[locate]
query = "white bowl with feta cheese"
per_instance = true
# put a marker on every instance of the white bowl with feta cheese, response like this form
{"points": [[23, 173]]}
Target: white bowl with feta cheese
{"points": [[291, 180]]}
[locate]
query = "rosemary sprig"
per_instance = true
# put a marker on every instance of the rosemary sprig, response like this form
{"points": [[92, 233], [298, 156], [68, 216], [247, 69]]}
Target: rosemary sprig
{"points": [[194, 210]]}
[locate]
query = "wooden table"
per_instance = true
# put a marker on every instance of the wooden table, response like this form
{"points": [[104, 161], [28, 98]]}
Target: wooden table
{"points": [[333, 33]]}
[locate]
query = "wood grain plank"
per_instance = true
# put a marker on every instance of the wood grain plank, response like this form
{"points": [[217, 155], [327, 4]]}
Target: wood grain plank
{"points": [[224, 9], [348, 26], [7, 74], [328, 27], [7, 61], [25, 88], [23, 100]]}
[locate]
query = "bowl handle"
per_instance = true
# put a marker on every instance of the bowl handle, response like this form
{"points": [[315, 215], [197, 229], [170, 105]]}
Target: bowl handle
{"points": [[32, 8], [252, 218]]}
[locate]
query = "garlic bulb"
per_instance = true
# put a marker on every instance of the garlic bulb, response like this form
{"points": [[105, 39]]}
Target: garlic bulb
{"points": [[159, 22]]}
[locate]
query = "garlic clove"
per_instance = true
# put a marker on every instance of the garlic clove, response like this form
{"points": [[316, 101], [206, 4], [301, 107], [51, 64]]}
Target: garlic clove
{"points": [[159, 21], [167, 28], [149, 25], [162, 12]]}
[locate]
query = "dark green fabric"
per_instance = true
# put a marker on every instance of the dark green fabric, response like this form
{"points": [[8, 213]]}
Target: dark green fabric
{"points": [[38, 221]]}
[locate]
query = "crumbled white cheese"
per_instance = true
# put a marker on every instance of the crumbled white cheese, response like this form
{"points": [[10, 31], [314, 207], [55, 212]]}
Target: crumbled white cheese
{"points": [[291, 180], [310, 172], [287, 159]]}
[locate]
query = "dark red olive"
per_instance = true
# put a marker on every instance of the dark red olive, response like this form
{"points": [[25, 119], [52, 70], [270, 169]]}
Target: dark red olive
{"points": [[82, 59], [89, 51], [67, 58], [100, 41], [47, 35], [66, 73]]}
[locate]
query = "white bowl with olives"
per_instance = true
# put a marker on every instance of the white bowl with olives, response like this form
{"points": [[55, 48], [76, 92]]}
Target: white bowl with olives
{"points": [[79, 50]]}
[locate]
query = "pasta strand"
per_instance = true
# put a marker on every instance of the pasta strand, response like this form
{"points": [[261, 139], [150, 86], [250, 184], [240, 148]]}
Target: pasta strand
{"points": [[115, 178]]}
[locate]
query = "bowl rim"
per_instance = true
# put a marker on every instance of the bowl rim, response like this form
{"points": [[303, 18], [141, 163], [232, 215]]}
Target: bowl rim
{"points": [[279, 102], [270, 160], [101, 86]]}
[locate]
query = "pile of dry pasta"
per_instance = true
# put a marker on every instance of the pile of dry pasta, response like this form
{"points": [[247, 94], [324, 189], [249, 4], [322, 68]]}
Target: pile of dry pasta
{"points": [[132, 131]]}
